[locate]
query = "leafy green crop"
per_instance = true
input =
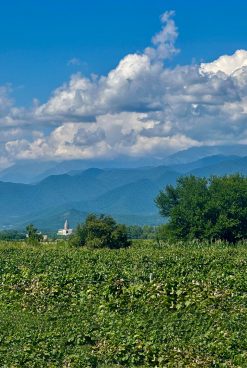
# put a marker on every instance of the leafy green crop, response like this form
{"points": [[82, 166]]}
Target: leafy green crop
{"points": [[181, 305]]}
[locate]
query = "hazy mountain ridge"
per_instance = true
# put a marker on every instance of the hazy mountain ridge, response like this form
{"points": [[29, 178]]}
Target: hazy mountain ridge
{"points": [[127, 194], [196, 153], [226, 167], [30, 171], [132, 196]]}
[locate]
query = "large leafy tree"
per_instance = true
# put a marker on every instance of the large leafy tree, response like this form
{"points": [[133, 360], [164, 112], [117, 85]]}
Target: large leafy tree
{"points": [[100, 232], [199, 208]]}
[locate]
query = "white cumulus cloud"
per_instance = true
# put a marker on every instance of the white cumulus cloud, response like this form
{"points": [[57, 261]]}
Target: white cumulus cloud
{"points": [[140, 108], [227, 64]]}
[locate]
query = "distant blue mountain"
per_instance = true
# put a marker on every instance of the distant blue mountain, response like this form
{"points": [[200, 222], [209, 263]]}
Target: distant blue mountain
{"points": [[31, 171], [126, 193], [226, 167], [203, 162], [196, 153], [25, 171]]}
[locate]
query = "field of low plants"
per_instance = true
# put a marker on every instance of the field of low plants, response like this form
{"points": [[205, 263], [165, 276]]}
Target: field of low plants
{"points": [[172, 305]]}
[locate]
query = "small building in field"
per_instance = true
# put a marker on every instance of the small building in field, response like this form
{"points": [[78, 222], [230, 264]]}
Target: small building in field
{"points": [[66, 230]]}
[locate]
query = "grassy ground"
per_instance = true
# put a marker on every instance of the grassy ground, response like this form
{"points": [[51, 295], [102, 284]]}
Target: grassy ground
{"points": [[146, 306]]}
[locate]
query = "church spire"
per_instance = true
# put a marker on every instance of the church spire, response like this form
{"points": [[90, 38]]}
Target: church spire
{"points": [[66, 225]]}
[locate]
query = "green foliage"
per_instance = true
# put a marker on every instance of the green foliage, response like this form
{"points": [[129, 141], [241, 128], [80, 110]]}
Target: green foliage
{"points": [[33, 236], [12, 235], [199, 208], [100, 232], [143, 306], [141, 232], [163, 232]]}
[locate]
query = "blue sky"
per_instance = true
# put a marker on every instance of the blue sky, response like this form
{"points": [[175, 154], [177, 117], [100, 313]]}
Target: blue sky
{"points": [[39, 37], [115, 80]]}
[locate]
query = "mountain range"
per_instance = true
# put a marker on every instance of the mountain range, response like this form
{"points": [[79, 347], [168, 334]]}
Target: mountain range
{"points": [[48, 193]]}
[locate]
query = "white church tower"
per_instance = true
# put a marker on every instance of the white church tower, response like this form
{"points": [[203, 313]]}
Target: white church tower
{"points": [[66, 230]]}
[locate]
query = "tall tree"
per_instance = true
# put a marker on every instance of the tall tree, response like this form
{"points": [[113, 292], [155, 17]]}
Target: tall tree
{"points": [[199, 208]]}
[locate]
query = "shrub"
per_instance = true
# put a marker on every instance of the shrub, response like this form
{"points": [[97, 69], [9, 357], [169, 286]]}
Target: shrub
{"points": [[100, 232], [33, 236]]}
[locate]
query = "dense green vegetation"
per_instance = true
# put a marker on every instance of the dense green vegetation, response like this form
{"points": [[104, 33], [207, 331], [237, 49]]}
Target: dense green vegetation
{"points": [[33, 235], [100, 232], [181, 305], [142, 232], [12, 235], [200, 208]]}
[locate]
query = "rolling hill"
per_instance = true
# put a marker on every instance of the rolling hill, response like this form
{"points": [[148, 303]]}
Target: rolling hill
{"points": [[127, 194]]}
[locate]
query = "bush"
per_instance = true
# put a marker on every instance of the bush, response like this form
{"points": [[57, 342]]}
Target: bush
{"points": [[100, 232], [33, 236]]}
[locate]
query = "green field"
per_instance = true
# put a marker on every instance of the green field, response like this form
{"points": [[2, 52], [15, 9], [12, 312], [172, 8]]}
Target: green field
{"points": [[181, 305]]}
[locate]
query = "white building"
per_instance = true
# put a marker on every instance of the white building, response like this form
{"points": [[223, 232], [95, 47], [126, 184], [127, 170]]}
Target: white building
{"points": [[66, 230]]}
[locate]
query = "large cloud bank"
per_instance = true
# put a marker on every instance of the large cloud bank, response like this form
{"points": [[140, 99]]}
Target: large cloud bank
{"points": [[141, 108]]}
